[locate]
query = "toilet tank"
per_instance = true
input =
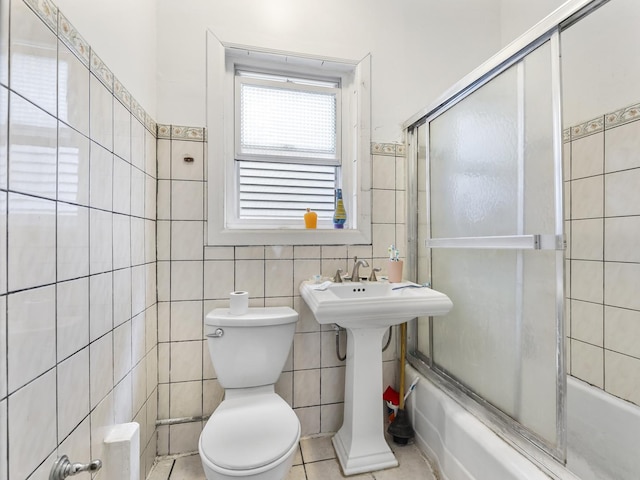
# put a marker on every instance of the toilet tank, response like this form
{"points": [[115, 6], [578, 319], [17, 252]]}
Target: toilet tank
{"points": [[249, 350]]}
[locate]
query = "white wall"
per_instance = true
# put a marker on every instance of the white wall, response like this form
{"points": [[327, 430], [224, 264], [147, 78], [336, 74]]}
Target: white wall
{"points": [[518, 16], [418, 47], [123, 34], [601, 62]]}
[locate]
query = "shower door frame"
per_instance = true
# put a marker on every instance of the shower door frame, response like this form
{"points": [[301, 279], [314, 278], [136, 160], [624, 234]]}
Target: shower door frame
{"points": [[549, 458]]}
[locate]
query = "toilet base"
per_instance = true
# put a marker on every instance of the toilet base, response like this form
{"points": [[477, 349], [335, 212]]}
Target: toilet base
{"points": [[277, 470]]}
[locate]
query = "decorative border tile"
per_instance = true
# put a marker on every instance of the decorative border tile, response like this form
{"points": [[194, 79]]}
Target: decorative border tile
{"points": [[121, 93], [47, 12], [100, 70], [390, 149], [383, 148], [163, 131], [150, 123], [187, 133], [70, 36], [622, 116], [138, 111], [566, 135], [587, 128]]}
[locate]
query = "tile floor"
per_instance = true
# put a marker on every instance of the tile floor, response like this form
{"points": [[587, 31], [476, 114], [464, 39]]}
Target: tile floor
{"points": [[315, 460]]}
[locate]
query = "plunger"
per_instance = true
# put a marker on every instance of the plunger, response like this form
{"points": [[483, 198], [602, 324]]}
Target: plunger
{"points": [[400, 429]]}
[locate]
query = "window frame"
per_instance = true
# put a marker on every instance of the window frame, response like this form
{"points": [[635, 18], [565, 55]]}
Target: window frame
{"points": [[222, 226]]}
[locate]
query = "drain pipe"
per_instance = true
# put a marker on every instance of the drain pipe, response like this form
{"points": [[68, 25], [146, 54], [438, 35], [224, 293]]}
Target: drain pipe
{"points": [[337, 328]]}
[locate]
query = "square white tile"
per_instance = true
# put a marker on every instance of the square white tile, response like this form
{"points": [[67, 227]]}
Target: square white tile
{"points": [[587, 280], [164, 159], [31, 326], [587, 239], [332, 385], [32, 43], [4, 119], [138, 338], [138, 240], [122, 394], [33, 147], [122, 294], [622, 193], [101, 186], [186, 321], [187, 200], [150, 200], [121, 186], [587, 322], [137, 144], [3, 241], [3, 347], [384, 175], [100, 368], [186, 361], [73, 90], [121, 351], [150, 154], [621, 239], [587, 363], [100, 305], [138, 291], [182, 169], [622, 145], [73, 241], [384, 206], [185, 399], [101, 114], [101, 241], [31, 406], [139, 384], [219, 279], [149, 241], [621, 285], [306, 388], [121, 241], [72, 376], [137, 192], [622, 329], [278, 280], [187, 240], [186, 280], [306, 351], [73, 166], [121, 131], [102, 421], [622, 376], [587, 198], [73, 316], [587, 156]]}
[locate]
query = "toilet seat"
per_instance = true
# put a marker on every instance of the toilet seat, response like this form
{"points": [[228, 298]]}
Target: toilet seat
{"points": [[246, 433]]}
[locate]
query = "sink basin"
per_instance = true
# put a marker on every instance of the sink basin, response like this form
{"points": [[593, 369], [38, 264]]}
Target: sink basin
{"points": [[367, 310], [372, 304]]}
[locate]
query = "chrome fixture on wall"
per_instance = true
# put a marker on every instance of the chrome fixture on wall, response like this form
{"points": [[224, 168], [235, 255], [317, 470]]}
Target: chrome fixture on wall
{"points": [[63, 468]]}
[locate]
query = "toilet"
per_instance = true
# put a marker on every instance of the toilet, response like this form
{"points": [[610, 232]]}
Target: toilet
{"points": [[253, 433]]}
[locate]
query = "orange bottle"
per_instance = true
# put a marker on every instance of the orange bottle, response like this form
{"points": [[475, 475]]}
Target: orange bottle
{"points": [[310, 219]]}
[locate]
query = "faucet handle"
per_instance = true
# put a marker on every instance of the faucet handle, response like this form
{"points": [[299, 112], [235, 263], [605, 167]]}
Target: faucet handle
{"points": [[372, 277], [338, 277]]}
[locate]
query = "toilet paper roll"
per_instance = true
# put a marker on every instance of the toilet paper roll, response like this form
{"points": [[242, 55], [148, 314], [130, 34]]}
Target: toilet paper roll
{"points": [[238, 303]]}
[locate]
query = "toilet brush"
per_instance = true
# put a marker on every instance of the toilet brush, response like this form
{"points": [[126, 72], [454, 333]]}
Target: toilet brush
{"points": [[400, 429]]}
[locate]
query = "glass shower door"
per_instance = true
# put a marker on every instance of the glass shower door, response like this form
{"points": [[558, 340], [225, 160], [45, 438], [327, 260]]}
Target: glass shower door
{"points": [[495, 235]]}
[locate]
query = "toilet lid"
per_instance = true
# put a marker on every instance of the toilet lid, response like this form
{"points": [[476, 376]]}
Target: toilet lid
{"points": [[248, 433]]}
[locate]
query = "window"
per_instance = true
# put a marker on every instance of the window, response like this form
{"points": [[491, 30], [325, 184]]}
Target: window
{"points": [[283, 132]]}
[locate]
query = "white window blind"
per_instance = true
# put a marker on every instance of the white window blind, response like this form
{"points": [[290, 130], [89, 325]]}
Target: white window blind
{"points": [[284, 119], [281, 191]]}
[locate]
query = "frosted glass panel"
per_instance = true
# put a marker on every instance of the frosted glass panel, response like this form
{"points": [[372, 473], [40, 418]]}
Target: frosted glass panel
{"points": [[473, 154], [492, 173], [424, 267]]}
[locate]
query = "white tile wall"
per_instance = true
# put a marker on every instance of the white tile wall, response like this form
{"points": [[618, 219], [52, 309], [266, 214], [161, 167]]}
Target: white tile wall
{"points": [[64, 226], [602, 275], [193, 279]]}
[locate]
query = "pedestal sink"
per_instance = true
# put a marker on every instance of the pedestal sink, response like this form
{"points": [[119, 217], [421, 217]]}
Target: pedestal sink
{"points": [[367, 310]]}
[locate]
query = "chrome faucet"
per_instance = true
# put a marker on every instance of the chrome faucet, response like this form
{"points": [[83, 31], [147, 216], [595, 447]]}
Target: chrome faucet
{"points": [[355, 273]]}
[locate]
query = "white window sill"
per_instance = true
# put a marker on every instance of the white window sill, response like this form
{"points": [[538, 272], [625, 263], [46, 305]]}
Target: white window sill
{"points": [[290, 236]]}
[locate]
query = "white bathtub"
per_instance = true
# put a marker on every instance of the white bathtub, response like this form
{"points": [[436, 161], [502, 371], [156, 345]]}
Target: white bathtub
{"points": [[602, 445], [603, 434]]}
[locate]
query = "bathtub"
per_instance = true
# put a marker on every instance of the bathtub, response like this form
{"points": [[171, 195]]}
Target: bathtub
{"points": [[603, 434], [601, 447]]}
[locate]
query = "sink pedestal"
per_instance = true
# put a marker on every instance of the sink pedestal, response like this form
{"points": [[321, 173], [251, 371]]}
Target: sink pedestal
{"points": [[360, 444]]}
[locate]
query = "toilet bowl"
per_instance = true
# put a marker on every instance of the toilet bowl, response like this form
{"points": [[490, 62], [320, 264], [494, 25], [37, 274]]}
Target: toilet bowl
{"points": [[253, 433]]}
